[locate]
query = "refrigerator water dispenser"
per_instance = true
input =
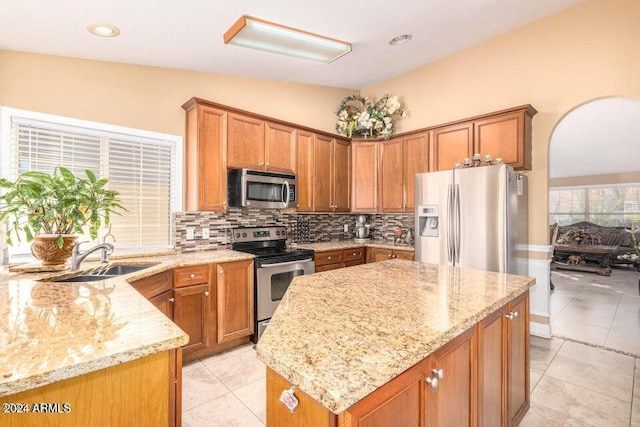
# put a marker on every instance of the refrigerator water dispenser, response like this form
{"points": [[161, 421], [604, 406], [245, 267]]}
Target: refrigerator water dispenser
{"points": [[428, 220]]}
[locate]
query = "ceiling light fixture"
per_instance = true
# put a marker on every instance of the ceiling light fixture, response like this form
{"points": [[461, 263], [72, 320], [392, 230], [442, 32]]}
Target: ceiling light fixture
{"points": [[400, 39], [267, 36], [103, 30]]}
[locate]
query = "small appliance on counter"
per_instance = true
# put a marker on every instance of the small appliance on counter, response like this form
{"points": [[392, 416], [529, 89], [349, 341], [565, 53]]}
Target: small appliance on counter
{"points": [[363, 230]]}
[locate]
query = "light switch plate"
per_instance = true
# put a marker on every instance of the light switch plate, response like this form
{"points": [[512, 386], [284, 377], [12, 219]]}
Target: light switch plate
{"points": [[191, 233], [205, 232]]}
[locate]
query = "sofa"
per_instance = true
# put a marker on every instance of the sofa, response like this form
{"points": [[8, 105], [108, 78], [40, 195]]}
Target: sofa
{"points": [[607, 236]]}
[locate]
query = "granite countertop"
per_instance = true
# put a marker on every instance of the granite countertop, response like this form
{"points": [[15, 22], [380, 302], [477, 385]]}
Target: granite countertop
{"points": [[50, 331], [348, 244], [341, 334]]}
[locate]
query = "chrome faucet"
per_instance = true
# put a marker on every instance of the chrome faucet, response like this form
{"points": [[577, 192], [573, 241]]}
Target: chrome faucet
{"points": [[77, 257]]}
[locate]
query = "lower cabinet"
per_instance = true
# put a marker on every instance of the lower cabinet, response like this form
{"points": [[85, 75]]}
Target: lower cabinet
{"points": [[503, 353], [383, 254], [481, 377], [234, 308], [193, 312], [332, 260]]}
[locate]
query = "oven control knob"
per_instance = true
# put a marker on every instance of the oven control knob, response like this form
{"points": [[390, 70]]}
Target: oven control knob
{"points": [[277, 233], [237, 234], [244, 234]]}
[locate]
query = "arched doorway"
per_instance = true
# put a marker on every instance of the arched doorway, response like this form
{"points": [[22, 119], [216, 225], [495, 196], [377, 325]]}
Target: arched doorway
{"points": [[594, 178]]}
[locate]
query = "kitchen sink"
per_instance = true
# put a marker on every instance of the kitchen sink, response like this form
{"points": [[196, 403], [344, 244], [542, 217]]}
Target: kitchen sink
{"points": [[105, 273], [119, 270]]}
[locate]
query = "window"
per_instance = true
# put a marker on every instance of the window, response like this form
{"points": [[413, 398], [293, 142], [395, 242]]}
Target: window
{"points": [[142, 166], [611, 206]]}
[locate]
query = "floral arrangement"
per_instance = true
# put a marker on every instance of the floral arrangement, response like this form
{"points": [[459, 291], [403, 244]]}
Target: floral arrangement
{"points": [[632, 257], [359, 116], [580, 237]]}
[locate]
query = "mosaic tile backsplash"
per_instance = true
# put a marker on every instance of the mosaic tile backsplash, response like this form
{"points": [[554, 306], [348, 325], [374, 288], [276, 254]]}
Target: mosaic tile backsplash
{"points": [[300, 227]]}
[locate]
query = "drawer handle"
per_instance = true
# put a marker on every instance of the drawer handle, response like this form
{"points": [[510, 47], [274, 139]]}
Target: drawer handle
{"points": [[354, 254], [192, 276], [328, 257]]}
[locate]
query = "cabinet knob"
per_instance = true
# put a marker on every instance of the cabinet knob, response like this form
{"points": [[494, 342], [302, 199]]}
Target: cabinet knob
{"points": [[439, 373], [172, 299], [390, 255], [328, 257], [509, 316], [206, 293], [515, 314], [433, 382], [220, 271], [267, 164], [354, 254], [192, 276]]}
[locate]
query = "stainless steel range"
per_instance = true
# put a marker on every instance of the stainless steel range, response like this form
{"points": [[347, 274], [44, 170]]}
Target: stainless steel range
{"points": [[275, 268]]}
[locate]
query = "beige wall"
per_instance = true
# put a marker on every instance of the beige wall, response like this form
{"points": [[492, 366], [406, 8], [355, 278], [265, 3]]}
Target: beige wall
{"points": [[614, 178], [150, 98], [584, 52]]}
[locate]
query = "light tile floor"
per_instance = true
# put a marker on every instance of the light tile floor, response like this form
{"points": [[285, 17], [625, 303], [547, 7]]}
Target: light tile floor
{"points": [[599, 310]]}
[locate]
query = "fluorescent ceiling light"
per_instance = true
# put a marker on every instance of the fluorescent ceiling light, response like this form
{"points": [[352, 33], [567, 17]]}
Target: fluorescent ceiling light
{"points": [[267, 36]]}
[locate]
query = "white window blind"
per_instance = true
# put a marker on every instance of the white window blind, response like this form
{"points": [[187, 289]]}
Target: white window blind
{"points": [[142, 169]]}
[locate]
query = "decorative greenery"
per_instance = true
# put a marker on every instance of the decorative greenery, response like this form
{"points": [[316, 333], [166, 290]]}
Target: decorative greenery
{"points": [[60, 203], [358, 116], [632, 257]]}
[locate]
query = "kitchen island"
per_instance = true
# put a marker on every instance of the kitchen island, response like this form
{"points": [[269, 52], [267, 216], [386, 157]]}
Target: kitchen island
{"points": [[91, 353], [400, 343]]}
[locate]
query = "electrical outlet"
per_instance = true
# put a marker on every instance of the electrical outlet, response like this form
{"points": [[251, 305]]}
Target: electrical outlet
{"points": [[346, 228], [191, 233], [205, 232]]}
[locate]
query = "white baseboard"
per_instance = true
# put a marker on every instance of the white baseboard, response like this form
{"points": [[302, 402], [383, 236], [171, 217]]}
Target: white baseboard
{"points": [[539, 294], [540, 330]]}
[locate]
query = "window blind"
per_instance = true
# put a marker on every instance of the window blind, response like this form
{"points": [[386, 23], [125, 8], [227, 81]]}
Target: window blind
{"points": [[141, 169]]}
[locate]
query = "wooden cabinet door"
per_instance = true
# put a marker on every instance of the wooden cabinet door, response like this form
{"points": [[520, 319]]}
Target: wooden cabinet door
{"points": [[234, 295], [518, 359], [451, 144], [191, 313], [245, 142], [391, 192], [400, 254], [503, 136], [164, 302], [399, 403], [322, 177], [341, 171], [378, 254], [206, 156], [415, 152], [452, 401], [280, 148], [364, 180], [304, 168], [492, 374]]}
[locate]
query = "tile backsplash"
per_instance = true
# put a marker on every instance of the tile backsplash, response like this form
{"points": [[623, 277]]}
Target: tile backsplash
{"points": [[321, 227]]}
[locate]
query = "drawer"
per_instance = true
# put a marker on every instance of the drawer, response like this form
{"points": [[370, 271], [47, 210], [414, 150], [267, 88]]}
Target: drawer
{"points": [[328, 267], [353, 254], [153, 286], [188, 276], [408, 255], [328, 257]]}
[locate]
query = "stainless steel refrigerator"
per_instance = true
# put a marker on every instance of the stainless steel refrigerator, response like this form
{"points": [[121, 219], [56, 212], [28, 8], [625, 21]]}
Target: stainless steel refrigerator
{"points": [[473, 218]]}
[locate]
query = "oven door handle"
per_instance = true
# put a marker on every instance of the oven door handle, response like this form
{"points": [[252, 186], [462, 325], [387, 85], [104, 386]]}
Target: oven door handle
{"points": [[280, 264]]}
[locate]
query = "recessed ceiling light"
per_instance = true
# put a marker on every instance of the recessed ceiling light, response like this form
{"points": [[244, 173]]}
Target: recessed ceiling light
{"points": [[400, 39], [104, 30]]}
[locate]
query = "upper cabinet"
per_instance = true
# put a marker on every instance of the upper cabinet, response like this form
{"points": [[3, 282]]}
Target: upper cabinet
{"points": [[305, 170], [332, 171], [256, 144], [400, 160], [206, 156], [505, 134], [364, 176]]}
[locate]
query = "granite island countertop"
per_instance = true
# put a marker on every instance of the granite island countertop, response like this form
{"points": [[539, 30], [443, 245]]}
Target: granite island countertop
{"points": [[341, 334], [50, 331]]}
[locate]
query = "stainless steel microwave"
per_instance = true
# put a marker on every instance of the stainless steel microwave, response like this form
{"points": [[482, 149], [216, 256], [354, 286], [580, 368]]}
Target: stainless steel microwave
{"points": [[261, 189]]}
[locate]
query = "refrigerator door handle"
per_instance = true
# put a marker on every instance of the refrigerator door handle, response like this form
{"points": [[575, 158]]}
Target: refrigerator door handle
{"points": [[457, 222], [449, 223]]}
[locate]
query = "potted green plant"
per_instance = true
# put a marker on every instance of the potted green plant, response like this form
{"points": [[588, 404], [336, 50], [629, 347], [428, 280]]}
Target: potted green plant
{"points": [[50, 208]]}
